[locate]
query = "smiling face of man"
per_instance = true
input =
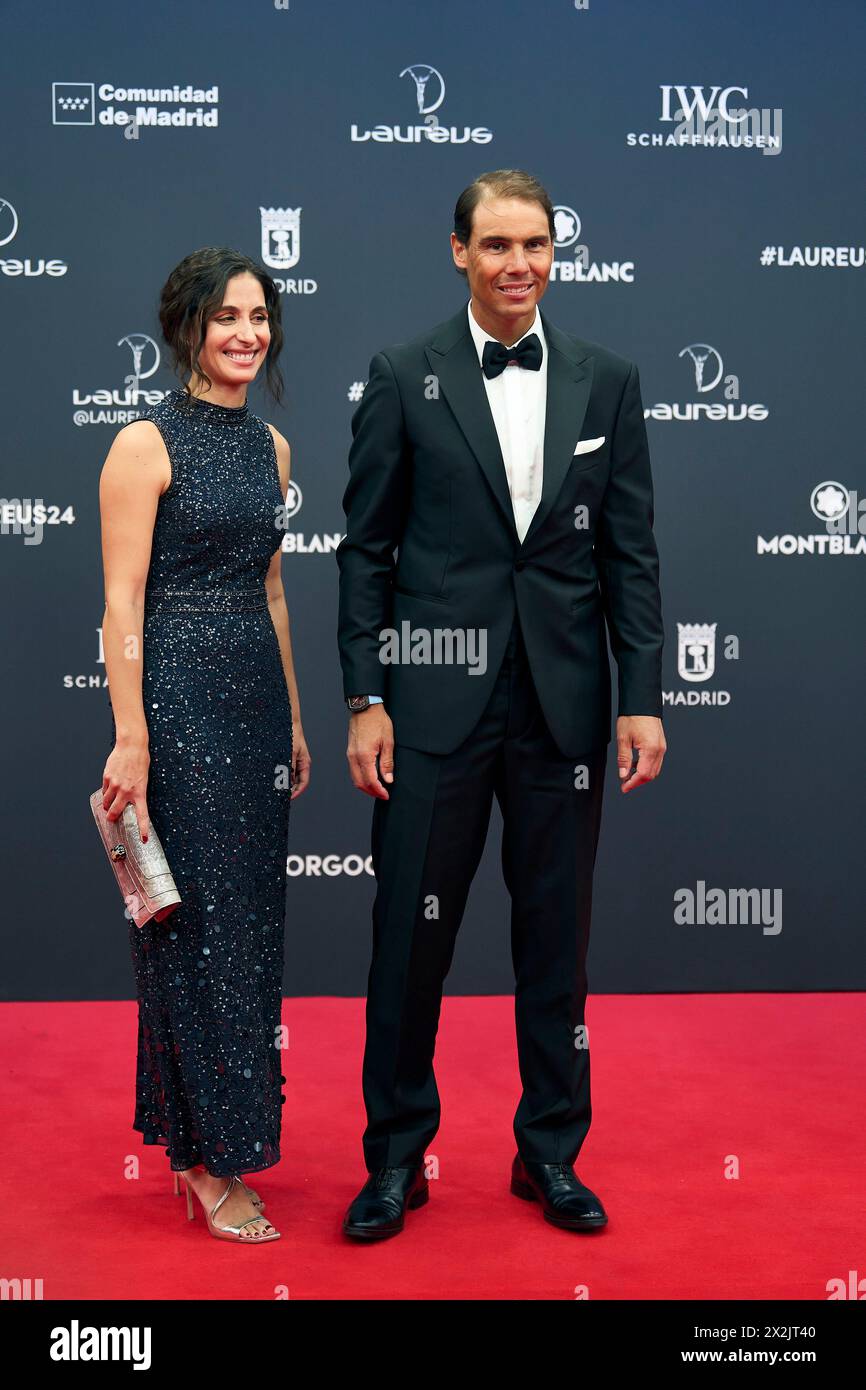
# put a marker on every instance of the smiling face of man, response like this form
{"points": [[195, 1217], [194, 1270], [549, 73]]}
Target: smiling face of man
{"points": [[507, 262]]}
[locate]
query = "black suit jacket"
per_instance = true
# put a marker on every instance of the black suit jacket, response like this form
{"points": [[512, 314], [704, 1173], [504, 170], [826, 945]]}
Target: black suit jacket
{"points": [[427, 480]]}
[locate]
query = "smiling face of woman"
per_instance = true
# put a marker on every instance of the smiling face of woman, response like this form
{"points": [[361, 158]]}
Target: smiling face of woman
{"points": [[236, 339]]}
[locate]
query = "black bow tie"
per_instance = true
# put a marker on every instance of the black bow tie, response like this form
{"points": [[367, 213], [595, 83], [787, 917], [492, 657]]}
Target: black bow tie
{"points": [[496, 356]]}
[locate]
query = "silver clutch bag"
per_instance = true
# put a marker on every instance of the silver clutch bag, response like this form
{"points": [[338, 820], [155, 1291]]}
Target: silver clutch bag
{"points": [[141, 870]]}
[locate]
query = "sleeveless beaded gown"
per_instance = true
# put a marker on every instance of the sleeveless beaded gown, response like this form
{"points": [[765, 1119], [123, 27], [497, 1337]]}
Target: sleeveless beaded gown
{"points": [[209, 978]]}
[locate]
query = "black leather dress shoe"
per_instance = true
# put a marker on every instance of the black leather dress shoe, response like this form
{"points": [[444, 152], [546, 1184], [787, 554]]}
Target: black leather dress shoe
{"points": [[379, 1209], [564, 1199]]}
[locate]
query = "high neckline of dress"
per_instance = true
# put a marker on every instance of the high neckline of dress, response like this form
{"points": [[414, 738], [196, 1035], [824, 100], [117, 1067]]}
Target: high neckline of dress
{"points": [[211, 408]]}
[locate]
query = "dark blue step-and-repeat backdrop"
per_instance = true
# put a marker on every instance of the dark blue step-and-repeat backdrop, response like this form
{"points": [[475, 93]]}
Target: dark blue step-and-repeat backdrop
{"points": [[706, 165]]}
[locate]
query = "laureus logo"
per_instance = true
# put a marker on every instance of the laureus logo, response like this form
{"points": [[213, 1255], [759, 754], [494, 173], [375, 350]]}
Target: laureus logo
{"points": [[109, 405], [429, 85], [144, 351], [707, 364], [13, 266], [8, 222], [707, 373]]}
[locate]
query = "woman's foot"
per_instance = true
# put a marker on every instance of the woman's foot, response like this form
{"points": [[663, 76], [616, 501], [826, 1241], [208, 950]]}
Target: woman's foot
{"points": [[238, 1207], [256, 1200]]}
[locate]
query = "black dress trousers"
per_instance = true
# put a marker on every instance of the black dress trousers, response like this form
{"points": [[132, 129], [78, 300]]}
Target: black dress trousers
{"points": [[427, 842]]}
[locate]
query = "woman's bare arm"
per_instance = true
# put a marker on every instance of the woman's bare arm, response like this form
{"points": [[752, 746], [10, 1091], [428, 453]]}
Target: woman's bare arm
{"points": [[135, 473], [280, 617]]}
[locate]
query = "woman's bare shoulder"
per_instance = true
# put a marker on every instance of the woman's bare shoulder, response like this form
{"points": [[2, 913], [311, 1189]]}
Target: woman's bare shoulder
{"points": [[138, 453]]}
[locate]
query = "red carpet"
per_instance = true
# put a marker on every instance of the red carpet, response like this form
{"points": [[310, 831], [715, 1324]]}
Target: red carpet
{"points": [[680, 1083]]}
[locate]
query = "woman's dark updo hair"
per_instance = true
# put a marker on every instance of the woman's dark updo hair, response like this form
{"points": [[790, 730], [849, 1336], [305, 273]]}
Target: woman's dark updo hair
{"points": [[194, 291]]}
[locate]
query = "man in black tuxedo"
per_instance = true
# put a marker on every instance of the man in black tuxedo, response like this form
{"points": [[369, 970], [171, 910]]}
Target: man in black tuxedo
{"points": [[507, 464]]}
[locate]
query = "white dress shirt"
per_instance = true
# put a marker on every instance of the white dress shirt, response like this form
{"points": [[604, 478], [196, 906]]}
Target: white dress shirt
{"points": [[518, 403]]}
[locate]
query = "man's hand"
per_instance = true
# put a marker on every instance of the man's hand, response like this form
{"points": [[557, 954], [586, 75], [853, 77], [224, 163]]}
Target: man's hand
{"points": [[371, 735], [644, 733]]}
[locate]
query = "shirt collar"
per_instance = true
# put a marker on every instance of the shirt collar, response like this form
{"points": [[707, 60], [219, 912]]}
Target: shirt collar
{"points": [[480, 337]]}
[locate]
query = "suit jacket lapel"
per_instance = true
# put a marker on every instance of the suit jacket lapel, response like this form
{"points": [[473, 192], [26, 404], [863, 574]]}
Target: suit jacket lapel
{"points": [[454, 362], [569, 382]]}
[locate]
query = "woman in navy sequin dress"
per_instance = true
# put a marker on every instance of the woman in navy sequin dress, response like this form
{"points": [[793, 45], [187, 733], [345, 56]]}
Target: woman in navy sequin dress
{"points": [[206, 731]]}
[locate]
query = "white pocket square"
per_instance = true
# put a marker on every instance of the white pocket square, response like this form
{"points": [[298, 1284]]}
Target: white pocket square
{"points": [[585, 446]]}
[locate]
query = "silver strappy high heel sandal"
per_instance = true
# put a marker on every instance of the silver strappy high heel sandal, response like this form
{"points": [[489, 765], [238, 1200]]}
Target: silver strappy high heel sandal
{"points": [[254, 1197], [228, 1232]]}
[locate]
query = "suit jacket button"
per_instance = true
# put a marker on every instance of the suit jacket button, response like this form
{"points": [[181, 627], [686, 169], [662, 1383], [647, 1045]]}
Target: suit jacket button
{"points": [[519, 564]]}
